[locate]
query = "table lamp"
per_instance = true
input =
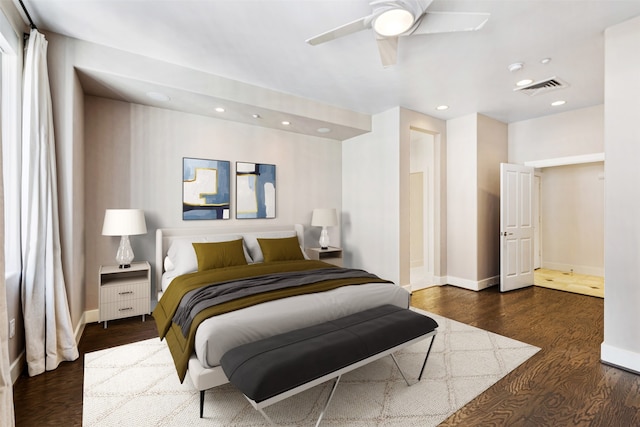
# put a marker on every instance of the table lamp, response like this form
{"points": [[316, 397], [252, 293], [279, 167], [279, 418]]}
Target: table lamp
{"points": [[323, 217], [124, 223]]}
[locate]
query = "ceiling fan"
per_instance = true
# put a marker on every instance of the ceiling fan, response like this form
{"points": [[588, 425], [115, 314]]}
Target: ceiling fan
{"points": [[392, 19]]}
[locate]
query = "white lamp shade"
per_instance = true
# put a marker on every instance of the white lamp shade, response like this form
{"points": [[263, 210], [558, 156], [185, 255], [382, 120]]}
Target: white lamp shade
{"points": [[323, 217], [123, 222]]}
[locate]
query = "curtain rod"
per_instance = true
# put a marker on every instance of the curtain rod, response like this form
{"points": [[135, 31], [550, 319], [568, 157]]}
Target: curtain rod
{"points": [[33, 26]]}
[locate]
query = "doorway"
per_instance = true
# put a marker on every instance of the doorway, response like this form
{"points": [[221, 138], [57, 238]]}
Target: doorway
{"points": [[422, 194], [570, 217]]}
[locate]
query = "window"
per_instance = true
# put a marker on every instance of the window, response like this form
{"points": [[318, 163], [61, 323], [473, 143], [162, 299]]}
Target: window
{"points": [[10, 84]]}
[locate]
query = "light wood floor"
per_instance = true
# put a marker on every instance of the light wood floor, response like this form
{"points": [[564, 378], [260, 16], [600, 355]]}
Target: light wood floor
{"points": [[570, 282]]}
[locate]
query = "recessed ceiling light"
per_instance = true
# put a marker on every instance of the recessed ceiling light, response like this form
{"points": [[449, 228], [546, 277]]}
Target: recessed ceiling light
{"points": [[442, 107], [220, 109], [286, 123], [545, 60], [256, 116], [516, 66], [558, 102], [524, 82], [323, 130], [158, 96]]}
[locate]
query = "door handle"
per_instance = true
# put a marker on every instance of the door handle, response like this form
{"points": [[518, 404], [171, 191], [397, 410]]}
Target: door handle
{"points": [[504, 233]]}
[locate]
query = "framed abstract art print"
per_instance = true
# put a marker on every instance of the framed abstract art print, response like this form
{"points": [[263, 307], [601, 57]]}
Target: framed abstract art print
{"points": [[205, 189]]}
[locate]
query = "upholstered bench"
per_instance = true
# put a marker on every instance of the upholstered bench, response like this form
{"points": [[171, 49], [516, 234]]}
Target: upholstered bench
{"points": [[272, 369]]}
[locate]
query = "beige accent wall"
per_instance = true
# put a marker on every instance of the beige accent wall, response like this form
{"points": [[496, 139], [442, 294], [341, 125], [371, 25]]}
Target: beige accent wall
{"points": [[492, 150], [572, 218], [67, 100], [476, 145], [134, 159]]}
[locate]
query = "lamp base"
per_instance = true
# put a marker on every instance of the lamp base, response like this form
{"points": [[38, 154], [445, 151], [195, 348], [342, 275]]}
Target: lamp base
{"points": [[124, 256], [324, 239]]}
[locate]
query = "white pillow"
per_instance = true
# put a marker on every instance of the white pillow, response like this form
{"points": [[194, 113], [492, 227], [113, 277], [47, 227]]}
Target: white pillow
{"points": [[168, 265]]}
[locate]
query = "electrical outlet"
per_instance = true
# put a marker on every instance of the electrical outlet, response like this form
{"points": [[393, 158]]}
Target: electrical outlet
{"points": [[12, 328]]}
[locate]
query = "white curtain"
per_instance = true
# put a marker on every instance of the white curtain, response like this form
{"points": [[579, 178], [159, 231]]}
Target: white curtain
{"points": [[48, 329]]}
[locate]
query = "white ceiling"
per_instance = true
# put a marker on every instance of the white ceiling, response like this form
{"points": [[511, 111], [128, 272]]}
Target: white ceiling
{"points": [[262, 43]]}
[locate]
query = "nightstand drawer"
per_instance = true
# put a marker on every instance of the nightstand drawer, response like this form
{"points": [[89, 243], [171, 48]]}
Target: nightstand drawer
{"points": [[125, 308], [129, 291]]}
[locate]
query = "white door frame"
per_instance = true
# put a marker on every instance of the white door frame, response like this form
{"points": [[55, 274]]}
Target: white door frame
{"points": [[429, 212]]}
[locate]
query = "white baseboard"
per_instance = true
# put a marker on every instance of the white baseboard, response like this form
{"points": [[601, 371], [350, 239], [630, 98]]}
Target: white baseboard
{"points": [[435, 281], [17, 366], [91, 316], [620, 358], [473, 285], [578, 269]]}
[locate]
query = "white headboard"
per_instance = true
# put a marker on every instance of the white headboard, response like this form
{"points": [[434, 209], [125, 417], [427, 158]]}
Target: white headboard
{"points": [[164, 237]]}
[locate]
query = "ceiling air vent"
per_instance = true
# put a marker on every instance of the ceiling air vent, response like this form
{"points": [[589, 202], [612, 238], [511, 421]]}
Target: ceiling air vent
{"points": [[542, 86]]}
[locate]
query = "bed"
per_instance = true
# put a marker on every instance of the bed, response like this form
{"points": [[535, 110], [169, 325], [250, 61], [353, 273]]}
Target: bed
{"points": [[177, 266]]}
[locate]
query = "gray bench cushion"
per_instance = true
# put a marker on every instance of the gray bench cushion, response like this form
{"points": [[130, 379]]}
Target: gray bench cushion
{"points": [[271, 366]]}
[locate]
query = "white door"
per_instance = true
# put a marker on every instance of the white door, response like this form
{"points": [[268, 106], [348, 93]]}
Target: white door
{"points": [[516, 226]]}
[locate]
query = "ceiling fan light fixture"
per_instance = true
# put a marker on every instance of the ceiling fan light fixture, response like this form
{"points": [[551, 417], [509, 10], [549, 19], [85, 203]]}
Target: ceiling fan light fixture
{"points": [[393, 22]]}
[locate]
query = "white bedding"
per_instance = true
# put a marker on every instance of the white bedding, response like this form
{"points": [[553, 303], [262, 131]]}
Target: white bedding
{"points": [[218, 334]]}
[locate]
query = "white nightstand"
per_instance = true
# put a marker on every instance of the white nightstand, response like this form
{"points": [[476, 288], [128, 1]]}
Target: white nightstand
{"points": [[124, 292], [331, 255]]}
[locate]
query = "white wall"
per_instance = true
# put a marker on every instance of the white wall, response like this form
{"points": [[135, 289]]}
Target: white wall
{"points": [[571, 197], [621, 345], [375, 187], [134, 159], [564, 134], [371, 198]]}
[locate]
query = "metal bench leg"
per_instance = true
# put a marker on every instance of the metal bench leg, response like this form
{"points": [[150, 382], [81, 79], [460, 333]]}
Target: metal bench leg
{"points": [[425, 358], [326, 405], [400, 369], [266, 417], [421, 370]]}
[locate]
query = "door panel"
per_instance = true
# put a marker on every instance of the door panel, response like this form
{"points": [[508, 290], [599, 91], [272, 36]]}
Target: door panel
{"points": [[516, 226]]}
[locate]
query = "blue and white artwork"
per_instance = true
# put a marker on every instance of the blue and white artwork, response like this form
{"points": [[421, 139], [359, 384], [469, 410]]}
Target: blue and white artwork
{"points": [[255, 190], [205, 189]]}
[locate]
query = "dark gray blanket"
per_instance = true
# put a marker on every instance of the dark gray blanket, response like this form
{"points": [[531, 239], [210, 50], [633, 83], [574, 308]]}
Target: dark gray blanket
{"points": [[217, 293]]}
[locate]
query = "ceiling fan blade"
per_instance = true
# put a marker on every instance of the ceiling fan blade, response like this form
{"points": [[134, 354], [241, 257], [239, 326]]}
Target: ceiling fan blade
{"points": [[344, 30], [447, 22], [388, 48]]}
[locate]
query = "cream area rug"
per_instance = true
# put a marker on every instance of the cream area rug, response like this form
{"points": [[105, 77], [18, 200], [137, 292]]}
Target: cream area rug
{"points": [[136, 385]]}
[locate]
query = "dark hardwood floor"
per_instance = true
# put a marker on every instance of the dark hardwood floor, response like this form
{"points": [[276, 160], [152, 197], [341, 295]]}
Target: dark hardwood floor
{"points": [[564, 384], [55, 397]]}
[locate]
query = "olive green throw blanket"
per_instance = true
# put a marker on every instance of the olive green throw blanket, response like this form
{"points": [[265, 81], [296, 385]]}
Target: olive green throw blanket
{"points": [[182, 346]]}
